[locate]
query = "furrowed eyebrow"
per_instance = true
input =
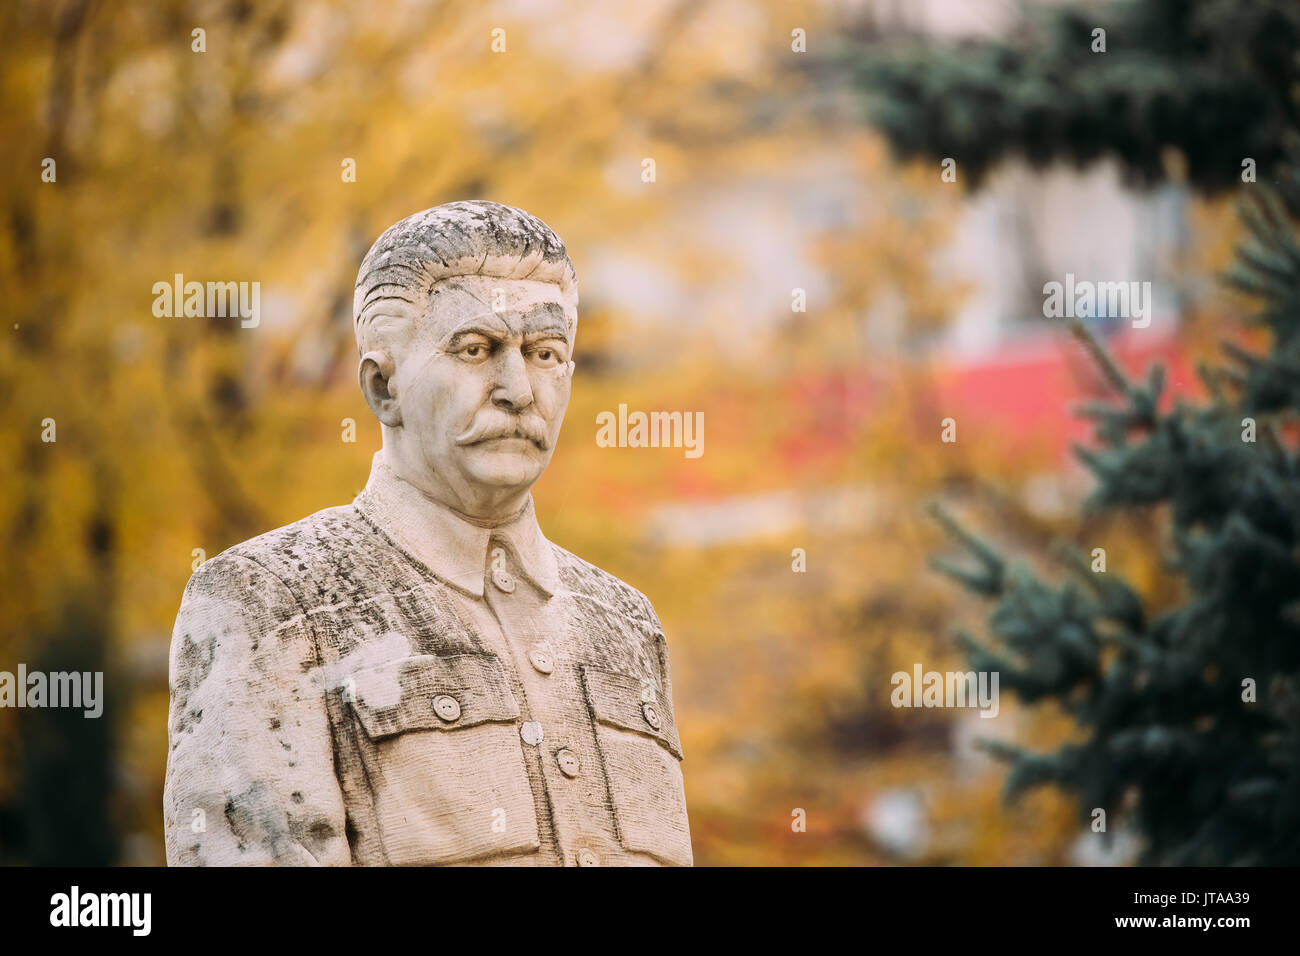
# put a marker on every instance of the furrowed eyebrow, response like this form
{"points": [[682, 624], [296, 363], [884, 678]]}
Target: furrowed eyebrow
{"points": [[545, 309], [550, 332], [494, 335], [486, 325]]}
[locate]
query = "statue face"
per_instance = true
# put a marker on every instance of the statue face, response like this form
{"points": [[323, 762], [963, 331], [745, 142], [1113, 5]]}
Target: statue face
{"points": [[482, 385]]}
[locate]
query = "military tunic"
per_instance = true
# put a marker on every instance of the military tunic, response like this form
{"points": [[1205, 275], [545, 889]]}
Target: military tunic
{"points": [[388, 683]]}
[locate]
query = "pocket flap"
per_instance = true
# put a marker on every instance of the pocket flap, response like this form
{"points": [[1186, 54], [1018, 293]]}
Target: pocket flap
{"points": [[623, 701], [430, 692]]}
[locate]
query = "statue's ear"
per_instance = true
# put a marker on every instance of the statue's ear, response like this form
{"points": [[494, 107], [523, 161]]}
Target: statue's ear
{"points": [[376, 374]]}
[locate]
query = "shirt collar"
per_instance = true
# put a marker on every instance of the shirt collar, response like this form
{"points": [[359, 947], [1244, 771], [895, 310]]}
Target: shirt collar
{"points": [[455, 550]]}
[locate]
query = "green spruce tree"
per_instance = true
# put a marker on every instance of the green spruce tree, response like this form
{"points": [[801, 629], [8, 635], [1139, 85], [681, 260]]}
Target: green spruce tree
{"points": [[1189, 718], [1211, 78], [1194, 711]]}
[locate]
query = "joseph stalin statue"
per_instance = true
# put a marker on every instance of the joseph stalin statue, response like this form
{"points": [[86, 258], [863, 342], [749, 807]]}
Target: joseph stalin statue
{"points": [[421, 677]]}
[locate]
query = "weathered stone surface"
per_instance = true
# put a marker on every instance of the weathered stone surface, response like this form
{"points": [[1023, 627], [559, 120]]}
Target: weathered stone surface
{"points": [[420, 677]]}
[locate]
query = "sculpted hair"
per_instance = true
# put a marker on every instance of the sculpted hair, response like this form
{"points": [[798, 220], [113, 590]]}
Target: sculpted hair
{"points": [[396, 279]]}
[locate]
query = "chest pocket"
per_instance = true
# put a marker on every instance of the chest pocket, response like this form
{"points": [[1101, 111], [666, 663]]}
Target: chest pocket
{"points": [[642, 755], [442, 754]]}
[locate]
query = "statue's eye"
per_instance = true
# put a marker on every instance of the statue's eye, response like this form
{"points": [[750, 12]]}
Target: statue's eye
{"points": [[545, 356], [475, 350]]}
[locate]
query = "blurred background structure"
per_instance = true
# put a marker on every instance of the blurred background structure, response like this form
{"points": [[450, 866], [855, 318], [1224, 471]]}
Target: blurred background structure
{"points": [[797, 268]]}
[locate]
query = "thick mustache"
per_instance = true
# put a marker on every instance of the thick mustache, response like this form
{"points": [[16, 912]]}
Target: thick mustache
{"points": [[498, 424]]}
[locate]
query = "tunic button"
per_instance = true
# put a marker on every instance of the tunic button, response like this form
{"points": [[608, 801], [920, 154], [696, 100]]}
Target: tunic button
{"points": [[651, 716], [541, 662], [503, 580], [447, 708], [568, 760], [587, 858], [531, 731]]}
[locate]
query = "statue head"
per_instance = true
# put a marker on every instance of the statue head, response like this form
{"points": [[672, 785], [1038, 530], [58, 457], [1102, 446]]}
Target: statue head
{"points": [[465, 317]]}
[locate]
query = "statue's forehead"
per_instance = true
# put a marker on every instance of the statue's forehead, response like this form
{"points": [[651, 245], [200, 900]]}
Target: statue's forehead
{"points": [[515, 305]]}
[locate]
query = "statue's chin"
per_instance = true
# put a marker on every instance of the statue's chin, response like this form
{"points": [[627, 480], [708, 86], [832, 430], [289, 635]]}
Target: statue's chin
{"points": [[512, 463]]}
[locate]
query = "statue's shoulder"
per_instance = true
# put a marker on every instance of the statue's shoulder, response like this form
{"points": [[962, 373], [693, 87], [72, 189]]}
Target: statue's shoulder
{"points": [[584, 579], [294, 553], [624, 640]]}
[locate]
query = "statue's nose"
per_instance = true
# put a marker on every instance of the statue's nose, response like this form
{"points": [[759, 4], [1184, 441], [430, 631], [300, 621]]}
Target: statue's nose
{"points": [[513, 388]]}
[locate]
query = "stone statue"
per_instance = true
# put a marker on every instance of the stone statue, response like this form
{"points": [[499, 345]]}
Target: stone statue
{"points": [[420, 677]]}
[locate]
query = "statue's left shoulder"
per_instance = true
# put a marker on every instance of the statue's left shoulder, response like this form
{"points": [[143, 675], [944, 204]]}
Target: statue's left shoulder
{"points": [[619, 628], [592, 584]]}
